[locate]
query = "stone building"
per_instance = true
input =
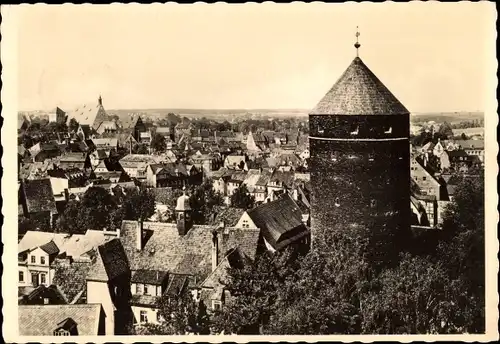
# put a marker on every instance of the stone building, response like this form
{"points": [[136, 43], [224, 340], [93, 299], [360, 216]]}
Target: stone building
{"points": [[359, 139]]}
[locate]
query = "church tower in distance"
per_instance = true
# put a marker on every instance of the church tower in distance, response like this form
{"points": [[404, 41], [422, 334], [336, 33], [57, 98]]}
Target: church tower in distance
{"points": [[360, 156]]}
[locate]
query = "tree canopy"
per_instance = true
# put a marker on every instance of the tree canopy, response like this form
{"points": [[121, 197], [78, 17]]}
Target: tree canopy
{"points": [[360, 280], [241, 198]]}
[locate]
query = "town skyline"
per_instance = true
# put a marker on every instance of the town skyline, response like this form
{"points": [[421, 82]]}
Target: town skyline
{"points": [[264, 68]]}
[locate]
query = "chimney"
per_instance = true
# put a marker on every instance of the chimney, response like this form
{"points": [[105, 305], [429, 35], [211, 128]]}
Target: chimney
{"points": [[139, 235], [215, 250]]}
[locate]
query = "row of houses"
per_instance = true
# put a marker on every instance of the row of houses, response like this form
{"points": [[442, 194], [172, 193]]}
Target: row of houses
{"points": [[122, 275]]}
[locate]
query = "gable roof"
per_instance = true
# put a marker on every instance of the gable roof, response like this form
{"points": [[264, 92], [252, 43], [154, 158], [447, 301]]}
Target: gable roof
{"points": [[111, 262], [71, 278], [278, 220], [164, 249], [359, 92], [470, 144], [86, 114], [72, 245], [43, 320], [38, 195], [129, 121], [155, 277], [50, 248]]}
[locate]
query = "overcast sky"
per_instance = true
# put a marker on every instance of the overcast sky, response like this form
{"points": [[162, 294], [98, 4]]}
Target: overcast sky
{"points": [[432, 56]]}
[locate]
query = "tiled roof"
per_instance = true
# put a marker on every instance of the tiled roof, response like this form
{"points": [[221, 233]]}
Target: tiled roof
{"points": [[284, 177], [470, 144], [71, 278], [50, 248], [74, 245], [457, 153], [129, 121], [229, 215], [144, 300], [106, 142], [43, 320], [176, 284], [52, 292], [85, 114], [156, 277], [73, 157], [164, 249], [111, 262], [359, 92], [38, 195], [277, 219]]}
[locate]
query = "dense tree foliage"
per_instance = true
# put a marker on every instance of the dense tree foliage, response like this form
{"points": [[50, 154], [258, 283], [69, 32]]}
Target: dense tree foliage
{"points": [[158, 143], [241, 198], [203, 200], [357, 280], [99, 209]]}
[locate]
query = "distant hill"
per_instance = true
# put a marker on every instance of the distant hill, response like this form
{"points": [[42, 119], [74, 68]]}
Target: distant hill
{"points": [[450, 117]]}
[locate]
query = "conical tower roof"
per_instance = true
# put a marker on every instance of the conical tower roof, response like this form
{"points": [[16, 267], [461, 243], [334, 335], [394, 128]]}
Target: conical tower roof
{"points": [[359, 92]]}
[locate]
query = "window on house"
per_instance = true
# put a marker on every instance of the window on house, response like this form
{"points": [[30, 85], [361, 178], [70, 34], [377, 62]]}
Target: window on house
{"points": [[45, 300], [33, 259], [143, 316], [42, 279], [216, 305], [138, 288], [146, 289], [61, 333], [21, 276], [42, 260], [158, 316], [245, 224], [373, 203], [424, 178], [337, 202]]}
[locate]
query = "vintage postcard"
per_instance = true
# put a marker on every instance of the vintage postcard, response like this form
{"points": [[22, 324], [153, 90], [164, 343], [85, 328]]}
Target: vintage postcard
{"points": [[252, 172]]}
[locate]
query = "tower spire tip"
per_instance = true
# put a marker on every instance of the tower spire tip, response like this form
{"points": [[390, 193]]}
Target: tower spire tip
{"points": [[357, 45]]}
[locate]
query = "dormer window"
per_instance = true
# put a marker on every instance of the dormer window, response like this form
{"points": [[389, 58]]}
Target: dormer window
{"points": [[337, 202], [321, 130]]}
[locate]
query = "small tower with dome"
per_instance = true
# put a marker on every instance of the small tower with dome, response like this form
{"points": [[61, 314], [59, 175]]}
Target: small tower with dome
{"points": [[183, 213]]}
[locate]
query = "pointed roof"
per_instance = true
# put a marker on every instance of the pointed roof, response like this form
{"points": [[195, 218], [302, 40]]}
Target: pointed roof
{"points": [[359, 92]]}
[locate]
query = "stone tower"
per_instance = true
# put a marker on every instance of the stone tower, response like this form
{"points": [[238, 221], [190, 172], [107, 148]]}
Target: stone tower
{"points": [[359, 146]]}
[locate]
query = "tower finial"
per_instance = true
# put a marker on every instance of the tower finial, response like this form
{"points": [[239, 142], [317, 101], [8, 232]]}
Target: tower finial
{"points": [[100, 100], [357, 45]]}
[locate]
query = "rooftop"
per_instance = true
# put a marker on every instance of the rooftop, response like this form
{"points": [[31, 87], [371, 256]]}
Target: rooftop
{"points": [[43, 320], [359, 92]]}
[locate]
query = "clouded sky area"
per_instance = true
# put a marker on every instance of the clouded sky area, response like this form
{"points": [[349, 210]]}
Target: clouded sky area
{"points": [[432, 56]]}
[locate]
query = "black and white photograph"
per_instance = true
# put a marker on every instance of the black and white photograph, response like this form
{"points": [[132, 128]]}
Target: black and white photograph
{"points": [[318, 170]]}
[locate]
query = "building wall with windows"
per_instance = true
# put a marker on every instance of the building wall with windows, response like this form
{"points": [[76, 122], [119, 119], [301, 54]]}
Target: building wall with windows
{"points": [[34, 269], [146, 314]]}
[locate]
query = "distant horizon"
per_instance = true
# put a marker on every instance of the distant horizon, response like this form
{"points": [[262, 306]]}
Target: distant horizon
{"points": [[171, 109]]}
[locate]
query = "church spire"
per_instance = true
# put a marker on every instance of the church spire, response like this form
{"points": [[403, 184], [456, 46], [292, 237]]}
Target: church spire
{"points": [[357, 45]]}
